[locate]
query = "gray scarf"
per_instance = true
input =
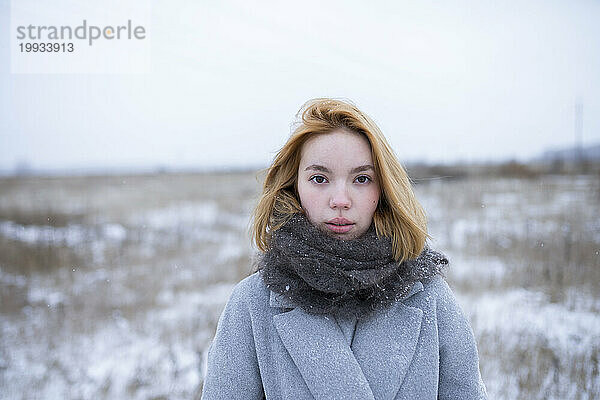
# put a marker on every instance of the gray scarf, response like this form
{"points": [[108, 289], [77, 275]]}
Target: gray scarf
{"points": [[325, 275]]}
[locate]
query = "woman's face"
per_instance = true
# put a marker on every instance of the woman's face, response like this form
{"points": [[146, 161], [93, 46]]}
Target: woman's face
{"points": [[337, 184]]}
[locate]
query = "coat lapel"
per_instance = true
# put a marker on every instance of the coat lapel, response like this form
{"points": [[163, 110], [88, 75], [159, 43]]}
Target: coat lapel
{"points": [[373, 368], [384, 347], [326, 363]]}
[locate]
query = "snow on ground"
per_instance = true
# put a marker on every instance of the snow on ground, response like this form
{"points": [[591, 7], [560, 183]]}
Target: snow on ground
{"points": [[72, 235], [157, 355], [552, 343], [134, 321]]}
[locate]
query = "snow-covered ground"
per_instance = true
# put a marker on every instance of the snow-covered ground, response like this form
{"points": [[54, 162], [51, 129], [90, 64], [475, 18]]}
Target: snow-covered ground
{"points": [[112, 287]]}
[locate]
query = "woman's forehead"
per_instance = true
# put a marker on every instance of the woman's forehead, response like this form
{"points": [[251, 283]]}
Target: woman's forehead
{"points": [[337, 149]]}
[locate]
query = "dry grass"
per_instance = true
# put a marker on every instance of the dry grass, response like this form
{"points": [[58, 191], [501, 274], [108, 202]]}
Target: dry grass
{"points": [[536, 370], [546, 231], [149, 259]]}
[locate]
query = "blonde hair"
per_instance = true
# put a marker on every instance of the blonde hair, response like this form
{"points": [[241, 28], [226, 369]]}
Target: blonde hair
{"points": [[398, 216]]}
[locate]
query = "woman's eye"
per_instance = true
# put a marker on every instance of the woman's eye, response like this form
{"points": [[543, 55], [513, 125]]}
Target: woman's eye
{"points": [[362, 179], [318, 179]]}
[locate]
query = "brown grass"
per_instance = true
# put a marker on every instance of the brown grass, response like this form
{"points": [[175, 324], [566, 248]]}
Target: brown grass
{"points": [[128, 280]]}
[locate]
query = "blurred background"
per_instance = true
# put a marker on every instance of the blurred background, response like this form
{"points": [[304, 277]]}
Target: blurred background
{"points": [[126, 184]]}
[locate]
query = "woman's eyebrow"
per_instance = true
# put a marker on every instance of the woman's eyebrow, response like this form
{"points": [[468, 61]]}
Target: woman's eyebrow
{"points": [[316, 167], [362, 168]]}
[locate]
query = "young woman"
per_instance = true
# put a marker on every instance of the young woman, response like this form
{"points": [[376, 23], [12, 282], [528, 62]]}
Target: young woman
{"points": [[348, 301]]}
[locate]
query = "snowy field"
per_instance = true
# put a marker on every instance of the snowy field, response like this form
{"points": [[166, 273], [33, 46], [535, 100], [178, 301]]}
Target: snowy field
{"points": [[111, 287]]}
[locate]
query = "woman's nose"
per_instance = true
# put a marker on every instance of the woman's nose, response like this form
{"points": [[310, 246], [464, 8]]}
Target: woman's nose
{"points": [[340, 199]]}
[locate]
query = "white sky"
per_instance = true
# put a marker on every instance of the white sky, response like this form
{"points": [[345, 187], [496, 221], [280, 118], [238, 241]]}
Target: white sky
{"points": [[446, 81]]}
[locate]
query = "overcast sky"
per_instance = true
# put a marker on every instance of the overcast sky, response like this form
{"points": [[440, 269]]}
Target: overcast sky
{"points": [[446, 81]]}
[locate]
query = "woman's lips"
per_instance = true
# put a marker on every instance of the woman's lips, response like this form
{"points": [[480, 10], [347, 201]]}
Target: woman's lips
{"points": [[339, 225]]}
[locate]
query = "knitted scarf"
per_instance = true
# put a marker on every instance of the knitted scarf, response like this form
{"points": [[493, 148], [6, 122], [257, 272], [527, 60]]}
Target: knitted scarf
{"points": [[325, 275]]}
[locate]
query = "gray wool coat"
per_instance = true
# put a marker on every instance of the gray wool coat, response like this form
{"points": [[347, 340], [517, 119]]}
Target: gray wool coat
{"points": [[421, 347]]}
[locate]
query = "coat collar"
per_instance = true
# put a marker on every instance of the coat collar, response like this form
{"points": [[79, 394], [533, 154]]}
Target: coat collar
{"points": [[373, 368]]}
